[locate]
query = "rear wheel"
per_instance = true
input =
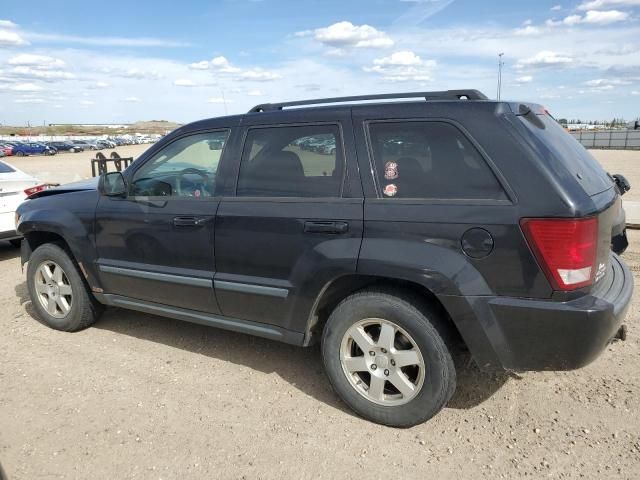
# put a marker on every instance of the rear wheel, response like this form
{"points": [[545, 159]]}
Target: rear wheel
{"points": [[19, 154], [386, 359], [59, 296]]}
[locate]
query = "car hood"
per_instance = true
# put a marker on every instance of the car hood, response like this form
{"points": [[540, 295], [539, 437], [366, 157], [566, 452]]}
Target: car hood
{"points": [[82, 185]]}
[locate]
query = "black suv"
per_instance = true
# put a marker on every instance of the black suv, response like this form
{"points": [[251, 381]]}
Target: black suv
{"points": [[416, 227]]}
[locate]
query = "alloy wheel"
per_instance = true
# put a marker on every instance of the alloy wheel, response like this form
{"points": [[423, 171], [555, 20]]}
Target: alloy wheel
{"points": [[53, 289], [382, 362]]}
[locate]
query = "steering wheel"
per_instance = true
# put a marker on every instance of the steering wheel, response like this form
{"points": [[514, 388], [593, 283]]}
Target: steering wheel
{"points": [[191, 171]]}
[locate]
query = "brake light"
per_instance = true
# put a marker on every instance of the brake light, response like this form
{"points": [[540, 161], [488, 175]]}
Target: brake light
{"points": [[565, 249], [33, 190]]}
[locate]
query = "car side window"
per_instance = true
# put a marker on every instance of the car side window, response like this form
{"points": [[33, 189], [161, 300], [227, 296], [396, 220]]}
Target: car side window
{"points": [[299, 161], [184, 168], [430, 160]]}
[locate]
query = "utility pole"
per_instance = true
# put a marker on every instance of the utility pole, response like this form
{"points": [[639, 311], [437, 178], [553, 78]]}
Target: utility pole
{"points": [[500, 65]]}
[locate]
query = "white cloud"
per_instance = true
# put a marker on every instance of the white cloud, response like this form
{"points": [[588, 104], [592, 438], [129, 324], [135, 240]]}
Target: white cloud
{"points": [[26, 87], [105, 41], [7, 24], [136, 73], [255, 93], [87, 103], [599, 4], [606, 82], [218, 100], [222, 65], [184, 82], [29, 100], [555, 8], [38, 61], [203, 65], [528, 30], [258, 75], [402, 66], [545, 58], [592, 17], [11, 39], [524, 79], [347, 35], [40, 74], [132, 100], [635, 92], [100, 85]]}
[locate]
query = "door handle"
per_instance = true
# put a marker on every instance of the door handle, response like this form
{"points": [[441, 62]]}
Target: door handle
{"points": [[326, 227], [189, 221]]}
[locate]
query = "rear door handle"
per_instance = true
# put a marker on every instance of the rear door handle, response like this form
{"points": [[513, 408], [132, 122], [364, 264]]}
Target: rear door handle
{"points": [[326, 227], [189, 221]]}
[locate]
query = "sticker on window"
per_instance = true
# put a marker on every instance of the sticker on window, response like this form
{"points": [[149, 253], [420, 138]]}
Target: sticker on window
{"points": [[390, 171], [390, 190]]}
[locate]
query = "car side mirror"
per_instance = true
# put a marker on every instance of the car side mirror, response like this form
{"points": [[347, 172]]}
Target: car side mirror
{"points": [[112, 184]]}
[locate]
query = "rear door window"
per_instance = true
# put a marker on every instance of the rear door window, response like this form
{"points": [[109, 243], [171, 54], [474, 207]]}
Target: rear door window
{"points": [[430, 160], [292, 161], [558, 147]]}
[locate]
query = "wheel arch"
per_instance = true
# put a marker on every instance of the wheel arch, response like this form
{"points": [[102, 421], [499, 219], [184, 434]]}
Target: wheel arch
{"points": [[342, 287], [465, 324]]}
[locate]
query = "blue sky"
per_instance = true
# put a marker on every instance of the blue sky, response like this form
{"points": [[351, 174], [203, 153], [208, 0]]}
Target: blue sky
{"points": [[183, 61]]}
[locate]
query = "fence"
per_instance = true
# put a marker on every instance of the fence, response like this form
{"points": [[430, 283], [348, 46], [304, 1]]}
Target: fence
{"points": [[613, 139]]}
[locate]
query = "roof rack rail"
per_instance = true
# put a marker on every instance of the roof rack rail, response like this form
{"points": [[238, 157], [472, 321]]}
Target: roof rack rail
{"points": [[441, 95]]}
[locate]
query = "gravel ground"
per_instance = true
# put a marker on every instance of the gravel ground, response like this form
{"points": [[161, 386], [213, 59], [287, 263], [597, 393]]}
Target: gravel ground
{"points": [[138, 396]]}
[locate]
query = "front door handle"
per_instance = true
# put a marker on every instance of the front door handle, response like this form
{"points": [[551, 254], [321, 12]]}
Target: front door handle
{"points": [[326, 227], [189, 221]]}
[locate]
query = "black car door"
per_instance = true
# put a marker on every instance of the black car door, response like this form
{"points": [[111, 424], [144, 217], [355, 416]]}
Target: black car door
{"points": [[295, 221], [156, 244]]}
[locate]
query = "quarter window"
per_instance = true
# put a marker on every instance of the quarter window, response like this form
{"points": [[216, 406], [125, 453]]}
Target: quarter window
{"points": [[431, 160], [303, 161], [184, 168]]}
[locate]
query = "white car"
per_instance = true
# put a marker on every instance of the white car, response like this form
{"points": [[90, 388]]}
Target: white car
{"points": [[15, 187]]}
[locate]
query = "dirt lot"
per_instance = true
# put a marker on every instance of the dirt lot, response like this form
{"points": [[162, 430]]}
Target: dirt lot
{"points": [[138, 396]]}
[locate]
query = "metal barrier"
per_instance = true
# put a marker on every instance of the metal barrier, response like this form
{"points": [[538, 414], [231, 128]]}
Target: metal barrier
{"points": [[613, 139], [101, 163]]}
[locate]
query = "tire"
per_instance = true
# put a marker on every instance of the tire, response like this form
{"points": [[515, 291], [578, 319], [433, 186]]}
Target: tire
{"points": [[72, 150], [19, 154], [414, 321], [16, 242], [83, 309]]}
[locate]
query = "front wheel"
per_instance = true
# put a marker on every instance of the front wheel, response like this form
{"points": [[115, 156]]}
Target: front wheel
{"points": [[19, 154], [386, 359], [58, 294]]}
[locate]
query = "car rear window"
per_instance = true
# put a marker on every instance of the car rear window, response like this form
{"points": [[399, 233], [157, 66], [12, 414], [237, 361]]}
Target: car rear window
{"points": [[565, 154], [4, 168], [430, 160]]}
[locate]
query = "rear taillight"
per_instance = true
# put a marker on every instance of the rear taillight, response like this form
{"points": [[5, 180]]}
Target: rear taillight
{"points": [[565, 249], [38, 188]]}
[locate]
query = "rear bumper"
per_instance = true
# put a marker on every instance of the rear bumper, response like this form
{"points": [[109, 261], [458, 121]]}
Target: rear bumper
{"points": [[546, 335]]}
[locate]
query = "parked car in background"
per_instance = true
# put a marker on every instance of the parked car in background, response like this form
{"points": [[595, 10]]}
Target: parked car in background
{"points": [[33, 148], [15, 186], [6, 149], [87, 144], [106, 143], [66, 147]]}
